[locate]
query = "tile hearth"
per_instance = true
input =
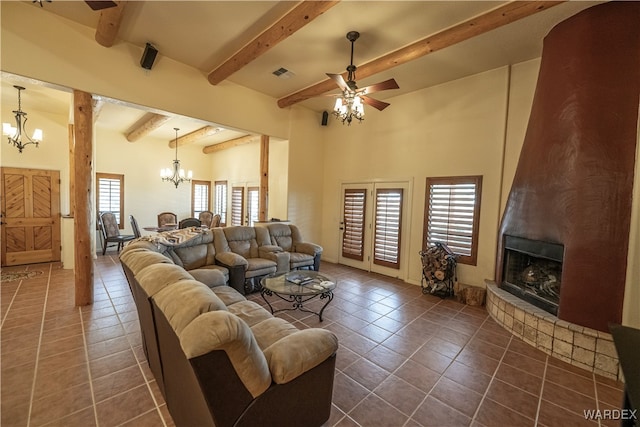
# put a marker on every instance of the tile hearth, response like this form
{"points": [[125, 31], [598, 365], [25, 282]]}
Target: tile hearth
{"points": [[580, 346]]}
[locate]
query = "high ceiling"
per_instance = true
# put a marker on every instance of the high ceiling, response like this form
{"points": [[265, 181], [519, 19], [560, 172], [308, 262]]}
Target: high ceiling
{"points": [[204, 34]]}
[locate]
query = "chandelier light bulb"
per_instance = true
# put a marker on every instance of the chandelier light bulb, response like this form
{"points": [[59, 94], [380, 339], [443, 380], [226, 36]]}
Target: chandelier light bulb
{"points": [[14, 134]]}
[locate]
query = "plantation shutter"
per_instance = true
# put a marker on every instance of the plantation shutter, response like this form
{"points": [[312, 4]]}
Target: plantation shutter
{"points": [[388, 216], [237, 205], [453, 210], [221, 202], [109, 195], [354, 222], [252, 205], [200, 198]]}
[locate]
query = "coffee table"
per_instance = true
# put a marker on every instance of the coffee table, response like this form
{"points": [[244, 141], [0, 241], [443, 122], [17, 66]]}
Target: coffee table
{"points": [[297, 288]]}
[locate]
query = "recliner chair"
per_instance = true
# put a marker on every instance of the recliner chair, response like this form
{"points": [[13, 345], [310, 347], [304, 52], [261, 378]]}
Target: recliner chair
{"points": [[303, 255]]}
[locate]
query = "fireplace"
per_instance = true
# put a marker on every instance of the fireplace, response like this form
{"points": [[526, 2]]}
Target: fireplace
{"points": [[533, 271]]}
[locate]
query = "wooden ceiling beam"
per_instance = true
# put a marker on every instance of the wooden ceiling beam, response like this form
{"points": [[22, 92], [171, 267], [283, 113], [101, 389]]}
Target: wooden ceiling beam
{"points": [[152, 122], [296, 18], [230, 144], [465, 30], [195, 135], [109, 24]]}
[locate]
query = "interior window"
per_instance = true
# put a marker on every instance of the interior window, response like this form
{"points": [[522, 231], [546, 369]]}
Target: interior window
{"points": [[452, 212]]}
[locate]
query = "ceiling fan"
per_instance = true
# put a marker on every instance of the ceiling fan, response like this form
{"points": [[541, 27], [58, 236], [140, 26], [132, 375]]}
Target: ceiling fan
{"points": [[349, 105]]}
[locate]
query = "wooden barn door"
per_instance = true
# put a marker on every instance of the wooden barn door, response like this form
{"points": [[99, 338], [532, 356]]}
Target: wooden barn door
{"points": [[30, 216]]}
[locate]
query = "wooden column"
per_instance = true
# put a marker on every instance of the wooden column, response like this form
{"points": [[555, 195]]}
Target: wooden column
{"points": [[72, 168], [82, 173], [263, 195]]}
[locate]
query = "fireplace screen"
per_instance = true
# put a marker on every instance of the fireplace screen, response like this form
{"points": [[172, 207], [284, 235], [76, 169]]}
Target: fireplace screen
{"points": [[533, 271]]}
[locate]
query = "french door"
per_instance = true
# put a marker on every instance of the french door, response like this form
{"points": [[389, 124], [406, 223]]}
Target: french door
{"points": [[373, 225], [244, 205]]}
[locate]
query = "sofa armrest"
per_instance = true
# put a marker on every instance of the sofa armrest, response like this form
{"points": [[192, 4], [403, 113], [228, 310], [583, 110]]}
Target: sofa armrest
{"points": [[299, 352], [268, 249], [282, 259], [308, 248], [231, 259]]}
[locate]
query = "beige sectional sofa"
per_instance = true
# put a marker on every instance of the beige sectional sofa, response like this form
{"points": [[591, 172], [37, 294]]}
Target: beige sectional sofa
{"points": [[218, 358]]}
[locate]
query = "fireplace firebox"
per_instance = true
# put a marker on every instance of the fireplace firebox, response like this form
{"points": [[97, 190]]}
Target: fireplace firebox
{"points": [[532, 270]]}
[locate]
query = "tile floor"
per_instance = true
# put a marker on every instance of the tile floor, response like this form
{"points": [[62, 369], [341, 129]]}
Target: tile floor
{"points": [[405, 359]]}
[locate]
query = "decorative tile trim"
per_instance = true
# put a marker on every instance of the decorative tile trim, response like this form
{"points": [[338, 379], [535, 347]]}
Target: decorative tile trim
{"points": [[580, 346]]}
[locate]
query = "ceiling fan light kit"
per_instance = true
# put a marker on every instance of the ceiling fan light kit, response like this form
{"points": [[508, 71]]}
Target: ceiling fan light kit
{"points": [[350, 105], [175, 174], [15, 133]]}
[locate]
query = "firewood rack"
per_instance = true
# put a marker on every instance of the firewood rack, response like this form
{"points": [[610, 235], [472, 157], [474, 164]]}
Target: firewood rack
{"points": [[438, 270]]}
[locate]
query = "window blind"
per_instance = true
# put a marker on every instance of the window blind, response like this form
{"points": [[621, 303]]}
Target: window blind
{"points": [[200, 199], [237, 205], [354, 223], [388, 215], [452, 214], [109, 196], [221, 201], [252, 204]]}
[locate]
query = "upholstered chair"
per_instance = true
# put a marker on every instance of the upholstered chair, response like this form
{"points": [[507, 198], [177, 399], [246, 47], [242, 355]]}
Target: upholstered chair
{"points": [[111, 232], [304, 255], [165, 218]]}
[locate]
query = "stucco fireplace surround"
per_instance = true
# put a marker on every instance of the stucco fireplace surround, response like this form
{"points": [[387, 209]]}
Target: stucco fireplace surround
{"points": [[573, 189]]}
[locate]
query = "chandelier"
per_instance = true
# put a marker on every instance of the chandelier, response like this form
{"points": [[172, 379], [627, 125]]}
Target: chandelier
{"points": [[349, 106], [15, 133], [175, 174]]}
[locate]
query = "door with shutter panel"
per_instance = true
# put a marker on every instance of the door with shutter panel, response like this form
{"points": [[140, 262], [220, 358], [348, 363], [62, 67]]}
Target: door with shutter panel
{"points": [[373, 224], [30, 216]]}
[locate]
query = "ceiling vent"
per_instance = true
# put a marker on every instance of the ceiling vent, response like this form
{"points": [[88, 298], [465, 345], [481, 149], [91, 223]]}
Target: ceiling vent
{"points": [[283, 73]]}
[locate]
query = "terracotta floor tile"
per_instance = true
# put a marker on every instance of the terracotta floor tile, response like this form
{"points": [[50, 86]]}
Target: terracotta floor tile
{"points": [[375, 412], [368, 374], [400, 394], [347, 393], [418, 375], [513, 398], [551, 415], [570, 380], [610, 395], [457, 396], [519, 378], [117, 382], [437, 414], [525, 363], [112, 363], [491, 411], [124, 407], [385, 358], [567, 399], [468, 376], [48, 382], [375, 333], [60, 404], [477, 360], [431, 359]]}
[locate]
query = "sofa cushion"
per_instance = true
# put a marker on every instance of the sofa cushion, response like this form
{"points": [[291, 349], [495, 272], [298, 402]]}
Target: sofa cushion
{"points": [[260, 267], [228, 295], [156, 277], [271, 330], [300, 260], [249, 311], [138, 259], [209, 276], [222, 330], [281, 236], [186, 300]]}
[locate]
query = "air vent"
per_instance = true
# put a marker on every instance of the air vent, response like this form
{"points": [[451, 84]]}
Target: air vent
{"points": [[283, 73]]}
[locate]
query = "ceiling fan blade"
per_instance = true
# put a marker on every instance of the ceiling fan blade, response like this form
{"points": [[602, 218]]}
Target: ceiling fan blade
{"points": [[339, 81], [375, 103], [385, 85], [100, 4]]}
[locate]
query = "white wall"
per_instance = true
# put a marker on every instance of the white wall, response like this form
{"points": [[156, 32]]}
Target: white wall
{"points": [[453, 129]]}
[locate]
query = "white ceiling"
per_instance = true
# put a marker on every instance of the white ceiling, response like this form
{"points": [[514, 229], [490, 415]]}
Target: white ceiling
{"points": [[203, 34]]}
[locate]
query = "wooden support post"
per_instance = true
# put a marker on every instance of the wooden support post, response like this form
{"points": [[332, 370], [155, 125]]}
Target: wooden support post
{"points": [[83, 127], [72, 168], [263, 195]]}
